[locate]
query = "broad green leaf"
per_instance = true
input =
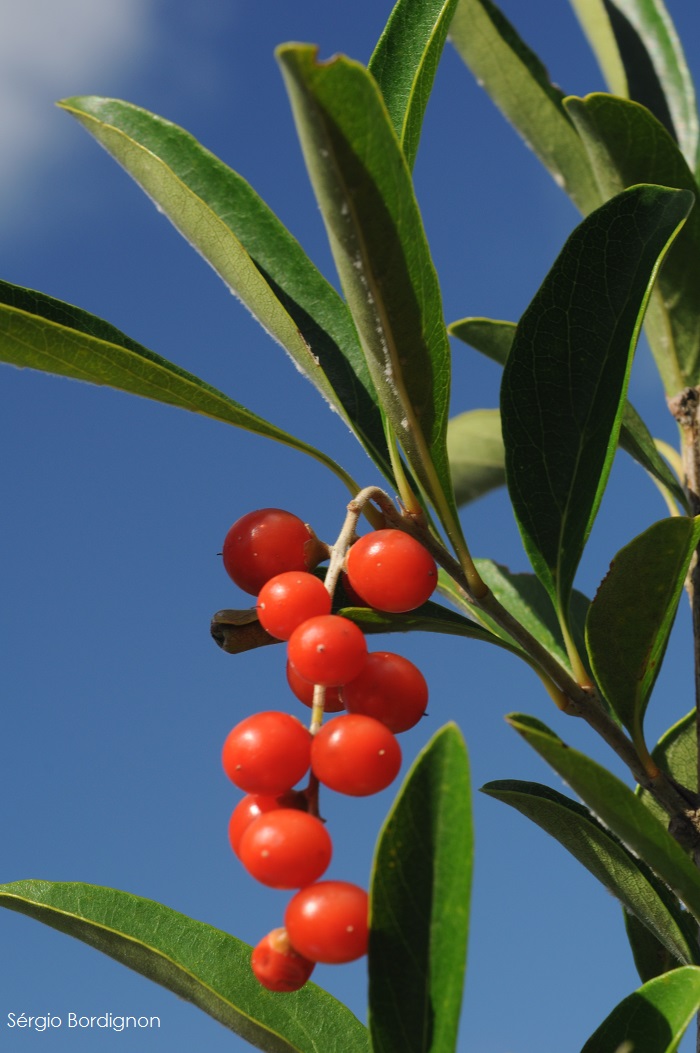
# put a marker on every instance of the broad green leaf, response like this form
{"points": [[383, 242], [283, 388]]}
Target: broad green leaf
{"points": [[405, 61], [653, 1019], [520, 86], [366, 196], [39, 332], [676, 753], [642, 59], [492, 338], [565, 380], [635, 606], [619, 808], [199, 963], [627, 145], [627, 877], [420, 894], [475, 450], [255, 255], [236, 631], [495, 339]]}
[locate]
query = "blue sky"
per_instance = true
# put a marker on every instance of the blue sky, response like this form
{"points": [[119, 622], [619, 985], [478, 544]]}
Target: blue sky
{"points": [[116, 699]]}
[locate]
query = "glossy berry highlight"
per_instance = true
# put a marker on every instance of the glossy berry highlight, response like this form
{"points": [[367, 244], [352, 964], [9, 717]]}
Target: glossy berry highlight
{"points": [[277, 966], [355, 755], [285, 848], [328, 922], [254, 805], [267, 542], [289, 599], [391, 571], [328, 650], [390, 688], [267, 753]]}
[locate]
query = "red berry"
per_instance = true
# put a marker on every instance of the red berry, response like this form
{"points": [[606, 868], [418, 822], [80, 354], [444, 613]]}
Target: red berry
{"points": [[255, 804], [327, 922], [268, 542], [304, 691], [267, 753], [277, 965], [391, 571], [289, 599], [327, 650], [390, 689], [286, 848], [356, 755]]}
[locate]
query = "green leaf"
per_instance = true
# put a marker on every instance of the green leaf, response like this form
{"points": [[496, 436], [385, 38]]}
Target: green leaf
{"points": [[636, 606], [236, 631], [420, 904], [39, 332], [520, 86], [199, 963], [653, 1019], [651, 958], [527, 600], [676, 753], [405, 61], [619, 808], [254, 254], [642, 58], [565, 380], [366, 196], [475, 450], [495, 339], [627, 877], [627, 145]]}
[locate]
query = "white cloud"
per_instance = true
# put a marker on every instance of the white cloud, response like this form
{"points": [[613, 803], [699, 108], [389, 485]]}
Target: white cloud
{"points": [[49, 50]]}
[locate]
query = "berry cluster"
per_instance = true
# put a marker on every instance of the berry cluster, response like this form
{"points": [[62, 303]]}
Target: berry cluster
{"points": [[275, 830]]}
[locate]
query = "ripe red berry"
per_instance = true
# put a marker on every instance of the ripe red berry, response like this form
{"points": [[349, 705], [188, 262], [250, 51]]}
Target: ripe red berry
{"points": [[289, 599], [390, 689], [277, 965], [304, 691], [327, 650], [255, 804], [268, 542], [267, 753], [356, 755], [286, 848], [328, 922], [391, 571]]}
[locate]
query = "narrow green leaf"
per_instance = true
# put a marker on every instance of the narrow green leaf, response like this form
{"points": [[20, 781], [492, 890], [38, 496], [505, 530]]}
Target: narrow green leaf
{"points": [[627, 877], [636, 606], [405, 61], [653, 1019], [39, 332], [528, 601], [642, 58], [246, 244], [520, 86], [627, 145], [651, 958], [199, 963], [366, 196], [236, 631], [420, 904], [493, 339], [565, 380], [676, 753], [618, 808], [475, 450]]}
